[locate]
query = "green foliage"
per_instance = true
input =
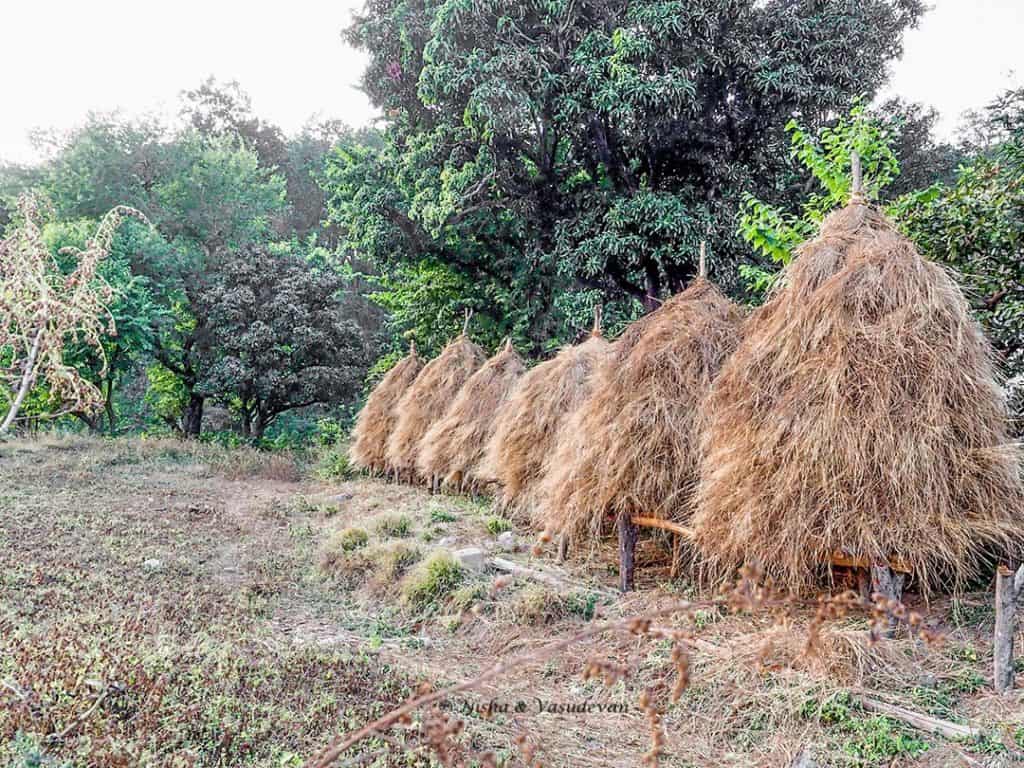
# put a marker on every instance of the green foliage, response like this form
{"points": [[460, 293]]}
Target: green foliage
{"points": [[496, 524], [432, 580], [334, 464], [349, 539], [554, 155], [394, 526], [869, 741]]}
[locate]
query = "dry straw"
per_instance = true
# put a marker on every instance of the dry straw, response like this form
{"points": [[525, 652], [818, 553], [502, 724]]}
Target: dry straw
{"points": [[428, 398], [631, 448], [528, 424], [378, 417], [454, 446], [861, 414]]}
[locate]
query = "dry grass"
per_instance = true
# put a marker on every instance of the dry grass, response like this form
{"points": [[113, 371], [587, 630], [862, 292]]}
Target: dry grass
{"points": [[861, 414], [632, 447], [428, 398], [378, 417], [454, 446], [528, 424]]}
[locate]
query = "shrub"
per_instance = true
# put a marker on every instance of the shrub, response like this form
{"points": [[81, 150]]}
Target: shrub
{"points": [[348, 539], [334, 464], [496, 525], [393, 560]]}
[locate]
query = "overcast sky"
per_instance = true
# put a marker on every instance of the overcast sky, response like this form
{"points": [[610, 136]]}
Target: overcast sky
{"points": [[60, 59]]}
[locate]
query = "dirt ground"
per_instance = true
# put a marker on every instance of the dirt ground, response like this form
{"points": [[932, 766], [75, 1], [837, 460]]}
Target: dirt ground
{"points": [[165, 604]]}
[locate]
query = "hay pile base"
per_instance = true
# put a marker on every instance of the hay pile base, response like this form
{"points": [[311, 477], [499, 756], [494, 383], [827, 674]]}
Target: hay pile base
{"points": [[454, 446], [528, 424], [631, 448], [861, 414], [377, 418], [428, 398]]}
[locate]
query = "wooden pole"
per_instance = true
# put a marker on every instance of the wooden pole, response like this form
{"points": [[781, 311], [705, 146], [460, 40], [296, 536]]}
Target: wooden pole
{"points": [[1009, 585], [563, 547], [628, 533]]}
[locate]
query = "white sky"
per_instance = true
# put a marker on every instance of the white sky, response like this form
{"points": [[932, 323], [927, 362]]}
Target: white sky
{"points": [[60, 59]]}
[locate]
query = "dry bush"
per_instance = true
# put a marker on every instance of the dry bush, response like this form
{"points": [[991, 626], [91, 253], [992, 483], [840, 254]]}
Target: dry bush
{"points": [[378, 417], [861, 414], [527, 425], [631, 449], [428, 398], [454, 446], [249, 463]]}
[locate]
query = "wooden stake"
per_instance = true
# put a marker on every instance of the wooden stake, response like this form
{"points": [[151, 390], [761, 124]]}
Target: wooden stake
{"points": [[628, 533], [465, 323], [563, 547], [1009, 585], [702, 263], [596, 329]]}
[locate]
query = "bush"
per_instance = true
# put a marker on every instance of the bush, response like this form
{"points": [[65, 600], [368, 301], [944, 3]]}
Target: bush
{"points": [[496, 525], [348, 539], [334, 464], [434, 578]]}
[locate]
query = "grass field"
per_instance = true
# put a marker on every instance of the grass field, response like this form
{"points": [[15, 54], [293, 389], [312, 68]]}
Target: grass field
{"points": [[167, 604]]}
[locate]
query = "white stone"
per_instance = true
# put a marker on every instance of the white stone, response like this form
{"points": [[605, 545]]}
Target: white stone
{"points": [[471, 558], [507, 542], [152, 564], [447, 542]]}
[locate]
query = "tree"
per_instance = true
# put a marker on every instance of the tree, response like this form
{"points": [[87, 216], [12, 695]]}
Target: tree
{"points": [[279, 341], [42, 309], [551, 149]]}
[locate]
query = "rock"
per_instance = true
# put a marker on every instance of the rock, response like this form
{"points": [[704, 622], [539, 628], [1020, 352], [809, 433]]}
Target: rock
{"points": [[507, 542], [471, 558], [447, 542], [152, 564]]}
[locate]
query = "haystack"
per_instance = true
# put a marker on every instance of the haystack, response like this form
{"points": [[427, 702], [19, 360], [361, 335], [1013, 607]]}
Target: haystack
{"points": [[527, 425], [631, 448], [453, 447], [377, 418], [860, 415], [428, 398]]}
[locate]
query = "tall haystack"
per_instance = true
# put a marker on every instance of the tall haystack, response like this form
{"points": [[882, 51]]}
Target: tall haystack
{"points": [[428, 398], [453, 447], [527, 425], [860, 415], [377, 419], [631, 449]]}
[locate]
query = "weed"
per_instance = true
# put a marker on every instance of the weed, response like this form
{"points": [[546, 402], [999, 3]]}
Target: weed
{"points": [[393, 560], [468, 595], [869, 740], [348, 539], [334, 464], [496, 525], [536, 606], [439, 515], [394, 526], [582, 604]]}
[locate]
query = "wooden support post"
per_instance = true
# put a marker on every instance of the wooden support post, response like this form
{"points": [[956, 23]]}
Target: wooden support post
{"points": [[563, 547], [628, 533], [1009, 585], [677, 549], [889, 584]]}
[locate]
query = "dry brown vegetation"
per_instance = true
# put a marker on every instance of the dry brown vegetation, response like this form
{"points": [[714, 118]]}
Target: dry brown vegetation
{"points": [[528, 424], [155, 612], [428, 398], [453, 447], [379, 415], [861, 414], [631, 448]]}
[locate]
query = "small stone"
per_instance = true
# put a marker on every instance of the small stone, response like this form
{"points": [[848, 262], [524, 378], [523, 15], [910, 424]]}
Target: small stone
{"points": [[471, 558], [152, 564], [446, 542], [507, 542]]}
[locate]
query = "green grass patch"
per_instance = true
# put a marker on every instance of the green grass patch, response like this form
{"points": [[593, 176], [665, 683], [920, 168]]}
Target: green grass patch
{"points": [[394, 526], [432, 580]]}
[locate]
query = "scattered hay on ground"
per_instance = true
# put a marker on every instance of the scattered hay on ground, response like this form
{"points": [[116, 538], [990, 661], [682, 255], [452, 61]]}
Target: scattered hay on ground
{"points": [[861, 414], [631, 449], [527, 425], [426, 400], [454, 446], [378, 417]]}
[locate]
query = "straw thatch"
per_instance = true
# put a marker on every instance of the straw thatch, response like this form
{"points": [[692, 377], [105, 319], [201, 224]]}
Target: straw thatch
{"points": [[631, 448], [454, 446], [428, 398], [861, 414], [528, 424], [377, 418]]}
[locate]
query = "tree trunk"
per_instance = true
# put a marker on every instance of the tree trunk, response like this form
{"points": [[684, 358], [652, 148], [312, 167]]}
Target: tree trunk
{"points": [[652, 288], [108, 407], [192, 418]]}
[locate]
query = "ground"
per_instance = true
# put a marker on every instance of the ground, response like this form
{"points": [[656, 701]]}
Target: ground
{"points": [[172, 604]]}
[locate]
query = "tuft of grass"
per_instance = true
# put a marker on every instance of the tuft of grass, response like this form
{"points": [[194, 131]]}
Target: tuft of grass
{"points": [[334, 464], [391, 561], [348, 539], [868, 741], [496, 524], [432, 580], [394, 526], [468, 595], [537, 605], [439, 515]]}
